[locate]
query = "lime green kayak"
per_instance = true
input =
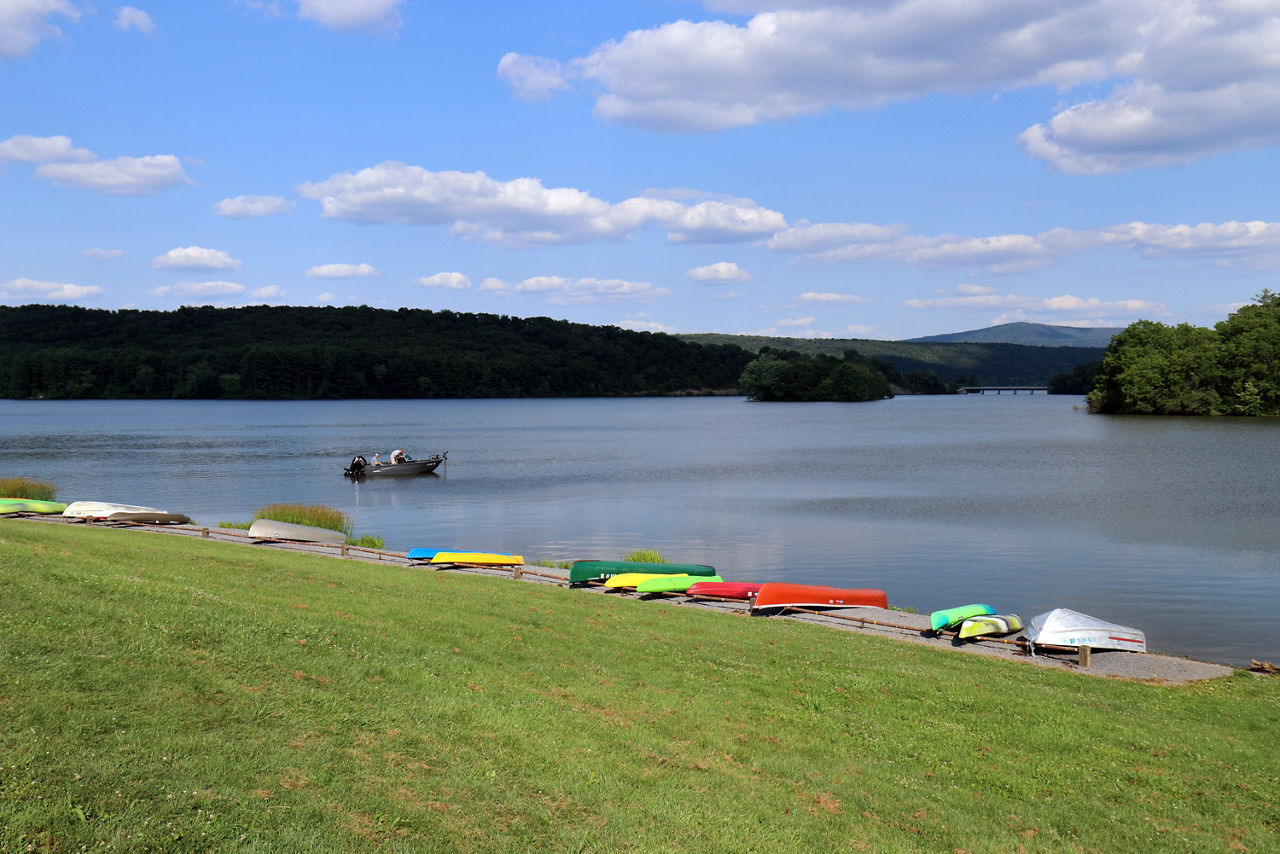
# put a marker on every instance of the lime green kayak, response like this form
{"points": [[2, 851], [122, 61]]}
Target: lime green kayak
{"points": [[629, 579], [949, 617], [30, 505], [592, 570], [991, 624], [673, 583]]}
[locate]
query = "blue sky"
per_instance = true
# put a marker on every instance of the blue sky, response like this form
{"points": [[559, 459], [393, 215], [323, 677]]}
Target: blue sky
{"points": [[878, 169]]}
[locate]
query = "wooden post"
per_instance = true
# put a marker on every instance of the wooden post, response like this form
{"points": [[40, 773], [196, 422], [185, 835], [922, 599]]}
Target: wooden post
{"points": [[204, 533], [344, 550], [1085, 654], [516, 572]]}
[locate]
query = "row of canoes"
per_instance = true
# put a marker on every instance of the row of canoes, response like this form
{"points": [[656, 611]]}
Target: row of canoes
{"points": [[1059, 627], [93, 510], [700, 580]]}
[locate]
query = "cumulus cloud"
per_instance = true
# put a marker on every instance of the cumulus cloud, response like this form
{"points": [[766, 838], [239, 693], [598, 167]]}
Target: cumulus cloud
{"points": [[720, 272], [132, 18], [532, 78], [43, 149], [829, 298], [24, 23], [377, 15], [450, 281], [523, 212], [641, 323], [1254, 244], [195, 258], [1162, 82], [266, 293], [342, 271], [1088, 311], [242, 207], [199, 289], [121, 176], [560, 290], [26, 290]]}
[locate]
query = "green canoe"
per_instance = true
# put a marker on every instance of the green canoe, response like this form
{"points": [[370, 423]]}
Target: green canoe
{"points": [[30, 505], [945, 619], [673, 583], [592, 570]]}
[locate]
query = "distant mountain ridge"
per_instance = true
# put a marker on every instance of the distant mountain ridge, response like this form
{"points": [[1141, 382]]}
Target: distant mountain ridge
{"points": [[1029, 334]]}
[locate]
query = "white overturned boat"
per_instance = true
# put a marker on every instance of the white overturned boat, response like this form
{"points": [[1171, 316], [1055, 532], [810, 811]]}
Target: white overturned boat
{"points": [[269, 529], [103, 509], [1064, 627]]}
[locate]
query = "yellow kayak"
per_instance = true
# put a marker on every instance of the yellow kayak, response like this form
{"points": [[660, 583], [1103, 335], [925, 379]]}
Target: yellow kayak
{"points": [[629, 579], [478, 558]]}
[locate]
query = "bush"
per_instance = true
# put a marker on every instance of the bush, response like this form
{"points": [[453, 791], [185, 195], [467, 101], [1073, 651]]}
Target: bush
{"points": [[21, 487], [646, 556]]}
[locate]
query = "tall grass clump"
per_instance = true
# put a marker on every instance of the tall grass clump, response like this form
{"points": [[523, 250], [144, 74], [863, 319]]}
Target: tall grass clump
{"points": [[315, 515], [646, 556], [21, 487]]}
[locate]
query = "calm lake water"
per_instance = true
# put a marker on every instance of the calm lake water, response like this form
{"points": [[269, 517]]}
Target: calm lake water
{"points": [[1023, 501]]}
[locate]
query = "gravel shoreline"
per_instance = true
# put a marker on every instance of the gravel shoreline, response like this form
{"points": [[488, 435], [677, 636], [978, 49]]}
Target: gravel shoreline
{"points": [[900, 625]]}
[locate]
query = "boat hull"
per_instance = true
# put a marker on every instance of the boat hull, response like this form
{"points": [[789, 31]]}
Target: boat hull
{"points": [[949, 617], [31, 505], [270, 529], [672, 583], [990, 624], [630, 579], [725, 589], [478, 558], [389, 470], [598, 570], [150, 518], [781, 594], [1064, 627], [103, 509]]}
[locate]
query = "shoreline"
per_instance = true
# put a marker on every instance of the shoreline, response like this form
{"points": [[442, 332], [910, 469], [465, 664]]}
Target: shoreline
{"points": [[1148, 667]]}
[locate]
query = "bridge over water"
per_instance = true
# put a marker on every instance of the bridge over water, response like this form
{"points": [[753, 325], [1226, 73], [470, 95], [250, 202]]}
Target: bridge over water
{"points": [[1002, 389]]}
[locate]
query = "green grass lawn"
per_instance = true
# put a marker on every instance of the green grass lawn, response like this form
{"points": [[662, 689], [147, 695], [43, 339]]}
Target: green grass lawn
{"points": [[160, 692]]}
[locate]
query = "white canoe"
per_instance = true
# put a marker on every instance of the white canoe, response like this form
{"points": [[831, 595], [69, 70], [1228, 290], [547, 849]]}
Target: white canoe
{"points": [[103, 509], [1064, 627], [269, 529]]}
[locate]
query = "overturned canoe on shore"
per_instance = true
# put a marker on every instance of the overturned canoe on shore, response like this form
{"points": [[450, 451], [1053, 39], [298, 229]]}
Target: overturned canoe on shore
{"points": [[598, 570], [990, 624], [270, 529], [1064, 627], [672, 583], [103, 509], [478, 558], [629, 579], [724, 589], [31, 505], [150, 517], [948, 617], [782, 594]]}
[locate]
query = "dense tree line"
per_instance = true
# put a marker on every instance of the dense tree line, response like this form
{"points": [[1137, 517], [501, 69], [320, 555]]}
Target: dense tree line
{"points": [[272, 352], [1232, 369], [788, 375]]}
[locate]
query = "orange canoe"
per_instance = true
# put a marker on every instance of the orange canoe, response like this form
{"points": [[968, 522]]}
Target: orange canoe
{"points": [[781, 594]]}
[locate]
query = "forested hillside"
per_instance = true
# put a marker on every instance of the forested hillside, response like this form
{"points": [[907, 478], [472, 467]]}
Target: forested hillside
{"points": [[977, 364], [270, 352]]}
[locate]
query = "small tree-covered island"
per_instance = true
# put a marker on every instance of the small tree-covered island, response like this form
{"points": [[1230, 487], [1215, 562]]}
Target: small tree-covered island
{"points": [[1232, 369]]}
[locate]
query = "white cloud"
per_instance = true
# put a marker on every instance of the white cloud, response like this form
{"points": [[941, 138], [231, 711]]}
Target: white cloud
{"points": [[378, 15], [641, 323], [721, 272], [831, 298], [23, 23], [342, 271], [102, 254], [43, 149], [122, 176], [325, 297], [1088, 311], [268, 292], [199, 289], [1162, 82], [132, 18], [560, 290], [450, 281], [195, 258], [252, 206], [27, 290], [797, 321], [522, 212], [532, 78]]}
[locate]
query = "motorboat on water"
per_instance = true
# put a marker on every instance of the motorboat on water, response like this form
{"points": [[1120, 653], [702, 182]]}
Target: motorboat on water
{"points": [[361, 468]]}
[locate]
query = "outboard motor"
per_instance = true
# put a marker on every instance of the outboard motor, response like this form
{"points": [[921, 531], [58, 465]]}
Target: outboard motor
{"points": [[357, 467]]}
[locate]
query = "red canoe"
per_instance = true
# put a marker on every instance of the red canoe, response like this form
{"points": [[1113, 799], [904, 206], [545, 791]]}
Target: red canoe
{"points": [[780, 594], [725, 589]]}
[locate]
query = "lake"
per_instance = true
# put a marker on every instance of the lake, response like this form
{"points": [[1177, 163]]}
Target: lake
{"points": [[1024, 501]]}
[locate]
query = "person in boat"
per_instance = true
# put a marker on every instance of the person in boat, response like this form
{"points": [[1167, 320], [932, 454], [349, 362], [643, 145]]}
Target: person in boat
{"points": [[376, 461], [397, 456]]}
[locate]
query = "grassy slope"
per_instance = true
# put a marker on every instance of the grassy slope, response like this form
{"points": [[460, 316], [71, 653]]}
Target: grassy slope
{"points": [[170, 693]]}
